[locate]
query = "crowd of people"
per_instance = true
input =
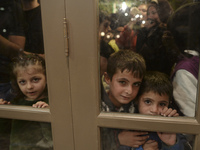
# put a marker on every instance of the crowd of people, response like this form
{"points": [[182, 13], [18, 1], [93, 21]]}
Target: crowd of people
{"points": [[149, 65], [166, 43], [23, 74]]}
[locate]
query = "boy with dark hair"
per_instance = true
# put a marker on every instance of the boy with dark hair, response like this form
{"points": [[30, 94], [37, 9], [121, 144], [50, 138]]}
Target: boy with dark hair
{"points": [[124, 75], [154, 98]]}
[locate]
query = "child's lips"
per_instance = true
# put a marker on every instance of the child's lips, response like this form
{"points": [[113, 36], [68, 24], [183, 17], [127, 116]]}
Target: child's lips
{"points": [[31, 93], [126, 97]]}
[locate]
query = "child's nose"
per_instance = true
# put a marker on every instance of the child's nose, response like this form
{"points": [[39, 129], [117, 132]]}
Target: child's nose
{"points": [[29, 85], [129, 89], [154, 110]]}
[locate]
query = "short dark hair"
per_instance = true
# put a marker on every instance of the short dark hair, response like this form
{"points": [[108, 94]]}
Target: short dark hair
{"points": [[126, 59], [156, 82]]}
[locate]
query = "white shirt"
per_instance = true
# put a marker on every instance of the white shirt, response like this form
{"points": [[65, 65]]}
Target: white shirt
{"points": [[185, 91]]}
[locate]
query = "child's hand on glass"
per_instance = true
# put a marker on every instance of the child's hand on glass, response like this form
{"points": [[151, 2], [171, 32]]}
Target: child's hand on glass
{"points": [[40, 104], [168, 138], [169, 112], [132, 138], [150, 145], [2, 102]]}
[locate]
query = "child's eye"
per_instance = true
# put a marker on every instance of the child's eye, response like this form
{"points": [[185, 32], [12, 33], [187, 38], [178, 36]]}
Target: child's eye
{"points": [[147, 102], [122, 82], [36, 79], [163, 104], [137, 84], [22, 82]]}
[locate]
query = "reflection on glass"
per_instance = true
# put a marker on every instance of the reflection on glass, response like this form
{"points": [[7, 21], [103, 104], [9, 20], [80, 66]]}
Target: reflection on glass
{"points": [[20, 34], [165, 34], [33, 26], [11, 42], [21, 134], [137, 140]]}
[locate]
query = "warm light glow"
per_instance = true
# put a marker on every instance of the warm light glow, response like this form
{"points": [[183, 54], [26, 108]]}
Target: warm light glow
{"points": [[102, 33], [133, 19], [108, 36], [2, 8], [124, 6], [126, 14], [117, 36], [137, 16]]}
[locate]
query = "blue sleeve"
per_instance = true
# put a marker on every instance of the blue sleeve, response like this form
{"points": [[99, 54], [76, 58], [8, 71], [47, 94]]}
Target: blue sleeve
{"points": [[181, 144]]}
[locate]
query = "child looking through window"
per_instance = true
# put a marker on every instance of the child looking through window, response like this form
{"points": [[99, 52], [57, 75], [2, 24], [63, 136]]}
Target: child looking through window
{"points": [[29, 80], [124, 75], [154, 98]]}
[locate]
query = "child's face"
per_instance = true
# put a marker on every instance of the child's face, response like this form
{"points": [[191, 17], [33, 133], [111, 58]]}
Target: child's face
{"points": [[123, 87], [31, 82], [151, 103]]}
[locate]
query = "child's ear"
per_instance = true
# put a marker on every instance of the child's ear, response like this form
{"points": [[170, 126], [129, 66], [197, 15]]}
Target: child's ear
{"points": [[107, 78]]}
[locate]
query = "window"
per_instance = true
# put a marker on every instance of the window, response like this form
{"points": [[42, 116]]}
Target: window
{"points": [[74, 86]]}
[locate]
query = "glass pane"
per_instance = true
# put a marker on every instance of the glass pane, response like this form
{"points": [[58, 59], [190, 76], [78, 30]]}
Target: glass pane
{"points": [[137, 140], [165, 33], [21, 38], [24, 135]]}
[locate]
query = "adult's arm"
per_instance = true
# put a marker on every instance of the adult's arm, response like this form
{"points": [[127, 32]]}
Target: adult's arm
{"points": [[181, 144], [10, 47]]}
